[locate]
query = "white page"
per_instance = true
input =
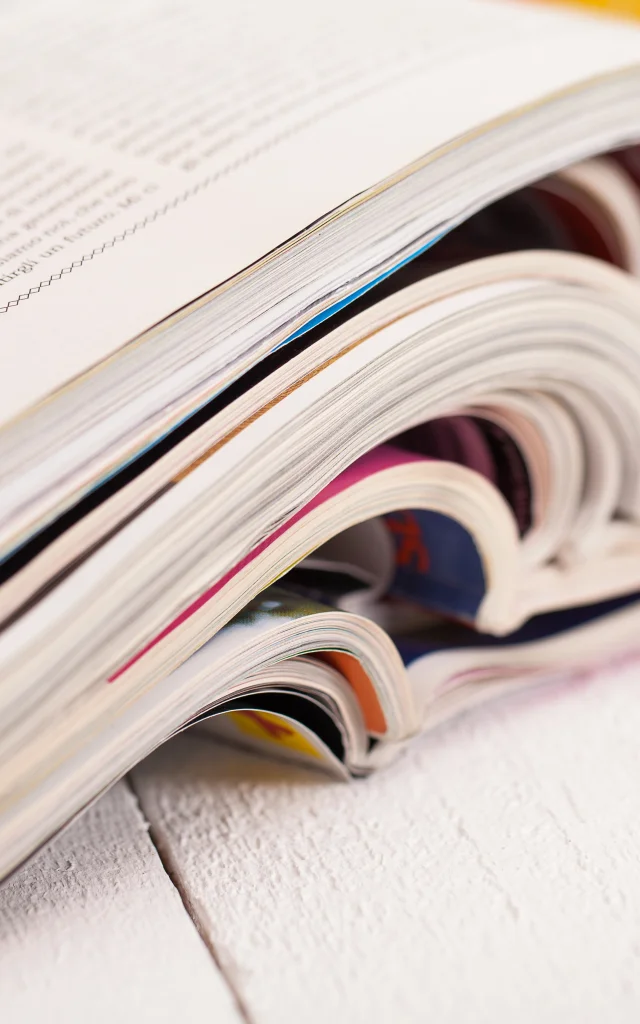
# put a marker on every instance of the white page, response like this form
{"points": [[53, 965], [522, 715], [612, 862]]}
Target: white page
{"points": [[121, 557], [176, 144]]}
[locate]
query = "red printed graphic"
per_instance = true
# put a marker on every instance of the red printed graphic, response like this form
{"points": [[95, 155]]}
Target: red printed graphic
{"points": [[411, 552], [268, 725]]}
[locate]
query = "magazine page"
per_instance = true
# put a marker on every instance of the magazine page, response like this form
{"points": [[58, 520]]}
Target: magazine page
{"points": [[151, 151]]}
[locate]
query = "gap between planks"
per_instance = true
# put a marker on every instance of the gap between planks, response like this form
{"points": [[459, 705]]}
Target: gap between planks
{"points": [[193, 907]]}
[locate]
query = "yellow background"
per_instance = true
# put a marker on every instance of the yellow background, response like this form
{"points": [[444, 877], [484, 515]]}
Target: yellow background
{"points": [[625, 7]]}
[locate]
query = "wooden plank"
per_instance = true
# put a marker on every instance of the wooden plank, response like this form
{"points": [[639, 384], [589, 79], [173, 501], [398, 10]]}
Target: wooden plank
{"points": [[493, 874], [94, 930]]}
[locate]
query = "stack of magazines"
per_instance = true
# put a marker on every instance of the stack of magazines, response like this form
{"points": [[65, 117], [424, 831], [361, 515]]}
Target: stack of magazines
{"points": [[320, 389]]}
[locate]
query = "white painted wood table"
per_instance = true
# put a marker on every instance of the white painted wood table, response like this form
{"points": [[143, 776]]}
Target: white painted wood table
{"points": [[492, 875]]}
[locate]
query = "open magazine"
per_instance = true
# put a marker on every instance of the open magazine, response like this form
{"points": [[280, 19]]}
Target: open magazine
{"points": [[321, 377]]}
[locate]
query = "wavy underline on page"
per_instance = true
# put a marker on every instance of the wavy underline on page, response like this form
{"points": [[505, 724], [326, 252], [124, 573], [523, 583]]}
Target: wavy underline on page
{"points": [[206, 183]]}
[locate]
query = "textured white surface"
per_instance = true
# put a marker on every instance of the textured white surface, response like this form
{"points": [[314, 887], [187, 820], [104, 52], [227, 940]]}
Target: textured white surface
{"points": [[492, 875], [93, 930]]}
